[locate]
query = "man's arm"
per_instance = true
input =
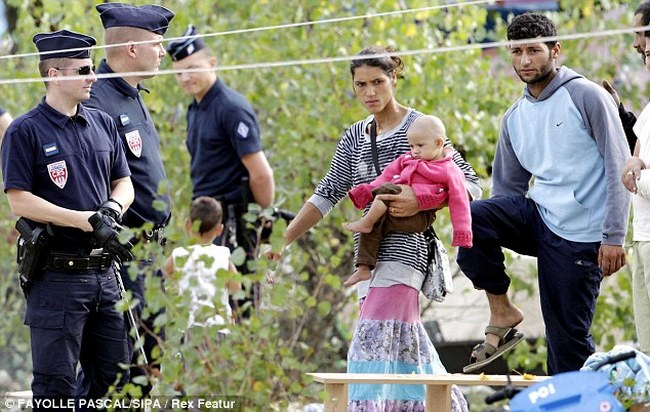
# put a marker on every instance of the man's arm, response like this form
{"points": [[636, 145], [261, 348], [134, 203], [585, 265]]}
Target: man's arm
{"points": [[604, 125], [628, 119], [35, 208], [509, 177], [261, 180], [168, 267], [233, 286], [122, 191], [602, 120], [5, 119], [632, 170]]}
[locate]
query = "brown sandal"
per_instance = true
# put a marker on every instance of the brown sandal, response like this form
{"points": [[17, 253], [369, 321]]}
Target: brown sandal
{"points": [[484, 353]]}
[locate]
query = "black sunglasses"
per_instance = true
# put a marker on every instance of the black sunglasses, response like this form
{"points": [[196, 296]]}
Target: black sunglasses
{"points": [[83, 70]]}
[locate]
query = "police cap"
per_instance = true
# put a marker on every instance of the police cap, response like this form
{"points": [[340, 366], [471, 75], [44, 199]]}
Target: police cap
{"points": [[63, 44], [150, 17], [180, 49]]}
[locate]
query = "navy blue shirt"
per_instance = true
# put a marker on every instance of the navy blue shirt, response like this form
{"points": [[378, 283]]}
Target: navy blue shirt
{"points": [[123, 103], [221, 129], [68, 161]]}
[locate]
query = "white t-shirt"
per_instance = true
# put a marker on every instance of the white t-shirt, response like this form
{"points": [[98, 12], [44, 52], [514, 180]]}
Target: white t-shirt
{"points": [[641, 220], [199, 265]]}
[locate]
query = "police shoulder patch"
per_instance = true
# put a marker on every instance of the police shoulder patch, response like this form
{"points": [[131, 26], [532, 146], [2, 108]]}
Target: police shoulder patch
{"points": [[242, 130]]}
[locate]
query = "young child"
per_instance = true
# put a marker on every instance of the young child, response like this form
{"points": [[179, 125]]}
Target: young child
{"points": [[199, 264], [435, 179]]}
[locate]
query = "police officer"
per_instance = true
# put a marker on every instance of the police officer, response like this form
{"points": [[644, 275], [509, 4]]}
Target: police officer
{"points": [[61, 162], [223, 138], [126, 26]]}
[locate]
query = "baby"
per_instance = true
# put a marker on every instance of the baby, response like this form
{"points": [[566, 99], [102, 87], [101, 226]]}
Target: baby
{"points": [[435, 180]]}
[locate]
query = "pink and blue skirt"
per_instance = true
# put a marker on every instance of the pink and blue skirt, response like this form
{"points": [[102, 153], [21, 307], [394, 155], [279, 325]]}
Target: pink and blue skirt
{"points": [[389, 338]]}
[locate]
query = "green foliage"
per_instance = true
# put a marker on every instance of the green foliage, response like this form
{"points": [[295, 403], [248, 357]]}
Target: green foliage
{"points": [[307, 320], [259, 360], [613, 321], [631, 392], [527, 357]]}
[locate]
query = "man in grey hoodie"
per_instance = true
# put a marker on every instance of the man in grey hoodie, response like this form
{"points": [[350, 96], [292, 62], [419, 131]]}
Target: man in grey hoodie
{"points": [[556, 195]]}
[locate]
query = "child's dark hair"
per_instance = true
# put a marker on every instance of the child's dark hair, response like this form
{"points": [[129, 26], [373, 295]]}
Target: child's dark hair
{"points": [[530, 26], [207, 211], [388, 64]]}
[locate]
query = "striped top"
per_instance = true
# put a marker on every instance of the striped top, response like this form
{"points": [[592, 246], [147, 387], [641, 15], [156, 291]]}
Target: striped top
{"points": [[402, 256]]}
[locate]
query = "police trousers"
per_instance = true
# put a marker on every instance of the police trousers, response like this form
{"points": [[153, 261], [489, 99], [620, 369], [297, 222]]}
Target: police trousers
{"points": [[240, 233], [568, 273], [73, 319], [149, 332]]}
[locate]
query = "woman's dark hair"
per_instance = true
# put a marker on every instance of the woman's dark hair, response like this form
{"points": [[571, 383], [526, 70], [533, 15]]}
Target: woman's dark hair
{"points": [[530, 26], [389, 64]]}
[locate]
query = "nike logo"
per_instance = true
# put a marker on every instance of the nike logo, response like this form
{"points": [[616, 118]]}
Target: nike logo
{"points": [[559, 124]]}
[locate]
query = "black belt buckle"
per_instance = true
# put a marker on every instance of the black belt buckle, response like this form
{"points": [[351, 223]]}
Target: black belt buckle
{"points": [[104, 258], [154, 235]]}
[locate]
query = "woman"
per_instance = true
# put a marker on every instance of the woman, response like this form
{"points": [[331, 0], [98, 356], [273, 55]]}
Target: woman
{"points": [[389, 338]]}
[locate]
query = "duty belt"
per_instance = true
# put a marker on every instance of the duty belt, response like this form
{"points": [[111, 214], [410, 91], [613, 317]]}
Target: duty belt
{"points": [[155, 235], [97, 260]]}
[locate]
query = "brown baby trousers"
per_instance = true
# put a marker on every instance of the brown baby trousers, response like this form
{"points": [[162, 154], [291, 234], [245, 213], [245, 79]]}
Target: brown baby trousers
{"points": [[369, 242]]}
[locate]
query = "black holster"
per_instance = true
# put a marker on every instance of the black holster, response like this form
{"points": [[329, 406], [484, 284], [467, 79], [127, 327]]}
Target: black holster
{"points": [[32, 250]]}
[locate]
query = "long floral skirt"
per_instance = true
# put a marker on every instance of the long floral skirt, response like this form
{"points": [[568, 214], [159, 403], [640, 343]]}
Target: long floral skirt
{"points": [[389, 338]]}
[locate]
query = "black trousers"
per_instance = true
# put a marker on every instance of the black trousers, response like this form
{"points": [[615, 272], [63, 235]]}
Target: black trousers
{"points": [[568, 273], [239, 233]]}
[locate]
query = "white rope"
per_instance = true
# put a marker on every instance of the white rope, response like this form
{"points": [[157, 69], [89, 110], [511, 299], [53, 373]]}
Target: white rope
{"points": [[260, 29], [304, 62]]}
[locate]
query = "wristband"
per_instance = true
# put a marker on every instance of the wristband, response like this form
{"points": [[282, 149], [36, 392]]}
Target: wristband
{"points": [[110, 199]]}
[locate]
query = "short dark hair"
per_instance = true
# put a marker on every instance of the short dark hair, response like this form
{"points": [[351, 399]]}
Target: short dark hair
{"points": [[388, 64], [531, 26], [207, 211], [44, 66], [644, 11]]}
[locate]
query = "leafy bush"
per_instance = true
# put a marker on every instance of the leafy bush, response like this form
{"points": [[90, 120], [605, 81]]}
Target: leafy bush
{"points": [[303, 108]]}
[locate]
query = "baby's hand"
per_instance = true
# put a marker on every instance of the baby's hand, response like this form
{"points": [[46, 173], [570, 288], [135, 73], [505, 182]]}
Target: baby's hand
{"points": [[274, 256]]}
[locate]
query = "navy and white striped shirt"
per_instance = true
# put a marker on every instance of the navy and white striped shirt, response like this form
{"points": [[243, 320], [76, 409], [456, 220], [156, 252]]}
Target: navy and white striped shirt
{"points": [[402, 257]]}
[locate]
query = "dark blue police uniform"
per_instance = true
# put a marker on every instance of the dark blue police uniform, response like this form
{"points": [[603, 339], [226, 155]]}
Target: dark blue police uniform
{"points": [[222, 128], [70, 162], [124, 104], [141, 143]]}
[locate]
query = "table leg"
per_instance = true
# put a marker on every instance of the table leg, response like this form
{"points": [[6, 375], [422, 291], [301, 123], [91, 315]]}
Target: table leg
{"points": [[336, 397], [438, 398]]}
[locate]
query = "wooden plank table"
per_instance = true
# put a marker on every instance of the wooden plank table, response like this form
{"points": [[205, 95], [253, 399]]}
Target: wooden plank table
{"points": [[437, 392]]}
